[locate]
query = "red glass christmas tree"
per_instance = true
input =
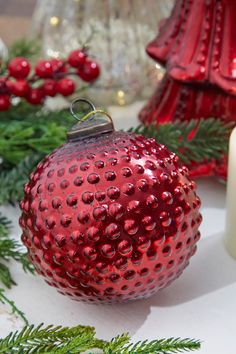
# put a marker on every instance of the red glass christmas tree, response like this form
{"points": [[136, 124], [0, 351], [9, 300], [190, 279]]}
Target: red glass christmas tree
{"points": [[197, 45]]}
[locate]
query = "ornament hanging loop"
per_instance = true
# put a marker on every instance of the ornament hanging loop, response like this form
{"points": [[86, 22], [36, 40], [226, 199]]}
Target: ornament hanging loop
{"points": [[88, 115], [76, 102], [95, 121]]}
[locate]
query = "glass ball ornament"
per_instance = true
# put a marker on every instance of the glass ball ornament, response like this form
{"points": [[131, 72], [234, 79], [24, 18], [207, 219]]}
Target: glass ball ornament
{"points": [[109, 216]]}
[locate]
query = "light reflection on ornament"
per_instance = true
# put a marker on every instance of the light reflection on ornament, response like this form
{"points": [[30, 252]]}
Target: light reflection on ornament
{"points": [[233, 72]]}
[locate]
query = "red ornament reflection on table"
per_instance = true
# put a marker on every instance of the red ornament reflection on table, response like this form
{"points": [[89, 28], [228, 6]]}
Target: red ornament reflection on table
{"points": [[196, 44], [110, 216]]}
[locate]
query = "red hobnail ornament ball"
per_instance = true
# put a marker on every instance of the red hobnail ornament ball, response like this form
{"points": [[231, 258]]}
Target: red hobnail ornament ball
{"points": [[66, 86], [35, 96], [110, 218], [50, 87], [19, 88], [44, 69], [19, 68], [77, 58], [4, 102], [90, 71]]}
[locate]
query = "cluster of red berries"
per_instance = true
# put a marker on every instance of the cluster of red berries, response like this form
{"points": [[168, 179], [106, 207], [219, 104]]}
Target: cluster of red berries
{"points": [[50, 77]]}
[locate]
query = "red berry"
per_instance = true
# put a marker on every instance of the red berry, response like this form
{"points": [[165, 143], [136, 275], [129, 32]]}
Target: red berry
{"points": [[4, 102], [50, 87], [19, 68], [58, 65], [44, 69], [19, 88], [9, 84], [90, 71], [77, 58], [65, 86], [3, 85], [35, 96]]}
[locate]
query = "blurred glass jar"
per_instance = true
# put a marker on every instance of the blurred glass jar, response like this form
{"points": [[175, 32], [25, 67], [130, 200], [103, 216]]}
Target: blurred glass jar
{"points": [[118, 31]]}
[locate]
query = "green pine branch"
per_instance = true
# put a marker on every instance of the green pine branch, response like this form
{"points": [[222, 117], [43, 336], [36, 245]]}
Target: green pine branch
{"points": [[24, 47], [193, 141], [27, 134], [64, 340], [163, 346], [50, 339], [5, 225], [4, 300], [10, 249], [24, 134], [12, 180]]}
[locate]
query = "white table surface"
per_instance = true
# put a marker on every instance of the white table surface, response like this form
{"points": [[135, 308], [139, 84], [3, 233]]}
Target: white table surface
{"points": [[200, 304]]}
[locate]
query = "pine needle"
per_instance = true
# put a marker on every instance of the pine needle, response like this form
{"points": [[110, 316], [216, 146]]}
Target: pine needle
{"points": [[27, 137], [5, 225], [14, 308], [50, 339], [30, 135], [10, 249], [64, 340], [193, 141], [162, 346], [23, 47], [12, 181]]}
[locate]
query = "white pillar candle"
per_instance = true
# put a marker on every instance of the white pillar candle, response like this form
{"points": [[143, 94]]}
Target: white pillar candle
{"points": [[230, 234]]}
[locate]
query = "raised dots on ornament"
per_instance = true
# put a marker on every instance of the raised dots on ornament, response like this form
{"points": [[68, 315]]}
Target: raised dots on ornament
{"points": [[113, 193], [130, 226], [87, 197], [128, 188], [112, 231], [93, 178], [100, 213], [108, 251]]}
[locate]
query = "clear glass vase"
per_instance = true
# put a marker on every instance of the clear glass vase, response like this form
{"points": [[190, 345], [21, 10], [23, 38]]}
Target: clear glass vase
{"points": [[118, 32]]}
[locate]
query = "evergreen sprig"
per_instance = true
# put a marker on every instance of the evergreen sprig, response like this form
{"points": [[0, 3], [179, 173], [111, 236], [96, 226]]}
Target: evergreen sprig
{"points": [[27, 134], [4, 300], [5, 225], [193, 141], [23, 135], [64, 340], [10, 249], [121, 345], [12, 180], [24, 47]]}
